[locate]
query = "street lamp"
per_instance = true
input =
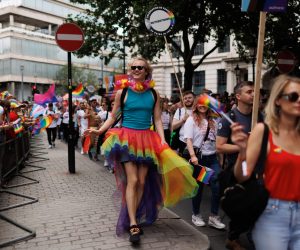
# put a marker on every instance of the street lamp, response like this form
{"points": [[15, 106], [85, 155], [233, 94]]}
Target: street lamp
{"points": [[102, 57], [252, 52], [22, 83], [237, 73]]}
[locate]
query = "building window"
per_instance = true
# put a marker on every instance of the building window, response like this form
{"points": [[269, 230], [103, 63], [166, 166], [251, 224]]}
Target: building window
{"points": [[198, 81], [177, 40], [222, 81], [225, 46], [174, 86], [199, 50]]}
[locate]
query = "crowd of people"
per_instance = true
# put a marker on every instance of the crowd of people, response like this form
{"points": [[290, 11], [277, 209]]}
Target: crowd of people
{"points": [[157, 144]]}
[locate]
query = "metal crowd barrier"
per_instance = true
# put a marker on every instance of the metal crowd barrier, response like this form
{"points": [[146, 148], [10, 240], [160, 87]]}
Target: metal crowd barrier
{"points": [[14, 155]]}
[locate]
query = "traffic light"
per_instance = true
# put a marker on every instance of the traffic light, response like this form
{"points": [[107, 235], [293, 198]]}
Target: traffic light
{"points": [[34, 90]]}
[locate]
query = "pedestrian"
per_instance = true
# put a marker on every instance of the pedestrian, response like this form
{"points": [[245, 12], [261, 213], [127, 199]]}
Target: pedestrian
{"points": [[278, 227], [180, 117], [244, 93], [148, 172], [51, 129], [200, 131]]}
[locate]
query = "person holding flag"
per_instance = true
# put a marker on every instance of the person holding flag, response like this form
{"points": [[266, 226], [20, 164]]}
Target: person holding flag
{"points": [[51, 129]]}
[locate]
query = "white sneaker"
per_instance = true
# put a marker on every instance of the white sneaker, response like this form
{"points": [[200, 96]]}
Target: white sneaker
{"points": [[81, 152], [215, 221], [50, 146], [198, 220]]}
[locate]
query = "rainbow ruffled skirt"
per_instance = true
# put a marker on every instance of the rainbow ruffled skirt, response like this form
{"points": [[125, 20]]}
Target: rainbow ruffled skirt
{"points": [[169, 177]]}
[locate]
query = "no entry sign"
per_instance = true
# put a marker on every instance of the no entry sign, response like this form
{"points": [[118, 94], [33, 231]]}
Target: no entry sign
{"points": [[286, 61], [69, 37]]}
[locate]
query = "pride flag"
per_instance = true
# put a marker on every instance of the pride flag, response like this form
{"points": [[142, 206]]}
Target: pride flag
{"points": [[18, 127], [205, 174], [48, 96], [46, 121], [79, 91], [37, 110]]}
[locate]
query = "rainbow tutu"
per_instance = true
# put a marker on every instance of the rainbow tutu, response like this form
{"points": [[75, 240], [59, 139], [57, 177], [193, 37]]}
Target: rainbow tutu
{"points": [[169, 177]]}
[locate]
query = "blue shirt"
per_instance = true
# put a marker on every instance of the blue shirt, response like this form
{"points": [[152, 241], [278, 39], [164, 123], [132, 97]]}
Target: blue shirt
{"points": [[138, 109]]}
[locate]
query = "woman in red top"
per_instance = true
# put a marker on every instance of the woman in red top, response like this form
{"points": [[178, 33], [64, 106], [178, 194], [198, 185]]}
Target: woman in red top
{"points": [[279, 225]]}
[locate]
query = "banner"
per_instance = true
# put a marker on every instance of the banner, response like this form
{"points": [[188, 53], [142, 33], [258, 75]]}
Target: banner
{"points": [[264, 5]]}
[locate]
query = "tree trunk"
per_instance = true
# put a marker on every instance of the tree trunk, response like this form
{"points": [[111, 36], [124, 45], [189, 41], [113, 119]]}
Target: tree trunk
{"points": [[188, 76]]}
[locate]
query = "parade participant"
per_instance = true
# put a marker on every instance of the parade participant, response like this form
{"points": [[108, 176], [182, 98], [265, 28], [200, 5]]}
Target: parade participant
{"points": [[148, 172], [200, 131], [278, 227], [51, 129], [82, 122], [180, 117], [93, 123]]}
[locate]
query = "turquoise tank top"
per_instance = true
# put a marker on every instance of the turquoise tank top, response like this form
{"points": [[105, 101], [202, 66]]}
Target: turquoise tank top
{"points": [[138, 109]]}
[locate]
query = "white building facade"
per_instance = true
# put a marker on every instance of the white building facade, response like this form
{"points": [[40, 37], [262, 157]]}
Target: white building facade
{"points": [[219, 72]]}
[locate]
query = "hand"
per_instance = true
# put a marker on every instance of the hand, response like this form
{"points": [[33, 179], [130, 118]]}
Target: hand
{"points": [[186, 116], [87, 132], [238, 136], [194, 160], [163, 142]]}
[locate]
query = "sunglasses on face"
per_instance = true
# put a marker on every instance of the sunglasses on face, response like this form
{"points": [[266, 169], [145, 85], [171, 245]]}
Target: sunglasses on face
{"points": [[137, 67], [291, 97]]}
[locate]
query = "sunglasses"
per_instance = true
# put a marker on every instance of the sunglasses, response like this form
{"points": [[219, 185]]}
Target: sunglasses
{"points": [[137, 67], [291, 97]]}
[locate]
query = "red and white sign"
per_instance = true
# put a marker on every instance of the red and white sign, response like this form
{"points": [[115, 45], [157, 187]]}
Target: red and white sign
{"points": [[286, 61], [69, 37]]}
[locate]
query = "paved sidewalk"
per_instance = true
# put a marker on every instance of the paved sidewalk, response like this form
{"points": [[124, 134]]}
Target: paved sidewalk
{"points": [[77, 211]]}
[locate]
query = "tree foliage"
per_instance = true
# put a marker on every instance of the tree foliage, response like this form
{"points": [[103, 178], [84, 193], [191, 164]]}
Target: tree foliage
{"points": [[109, 25]]}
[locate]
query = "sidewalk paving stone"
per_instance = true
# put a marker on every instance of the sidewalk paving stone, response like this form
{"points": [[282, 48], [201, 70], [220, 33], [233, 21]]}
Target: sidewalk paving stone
{"points": [[79, 211]]}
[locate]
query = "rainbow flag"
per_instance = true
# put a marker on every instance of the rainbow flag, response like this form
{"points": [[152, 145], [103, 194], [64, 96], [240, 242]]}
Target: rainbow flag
{"points": [[14, 103], [5, 95], [205, 175], [79, 91], [46, 121], [18, 127], [210, 102]]}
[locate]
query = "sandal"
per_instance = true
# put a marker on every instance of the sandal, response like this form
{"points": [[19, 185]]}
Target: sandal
{"points": [[134, 234]]}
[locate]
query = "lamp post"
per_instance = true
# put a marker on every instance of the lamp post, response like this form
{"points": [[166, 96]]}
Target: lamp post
{"points": [[102, 57], [252, 52], [237, 73], [22, 83]]}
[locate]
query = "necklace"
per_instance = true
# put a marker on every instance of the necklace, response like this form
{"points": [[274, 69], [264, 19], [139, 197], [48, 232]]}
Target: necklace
{"points": [[137, 86]]}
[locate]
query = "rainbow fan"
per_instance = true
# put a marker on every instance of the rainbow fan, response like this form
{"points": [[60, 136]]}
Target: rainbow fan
{"points": [[79, 91]]}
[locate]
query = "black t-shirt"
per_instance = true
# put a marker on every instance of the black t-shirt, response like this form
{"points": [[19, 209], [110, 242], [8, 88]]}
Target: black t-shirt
{"points": [[224, 129]]}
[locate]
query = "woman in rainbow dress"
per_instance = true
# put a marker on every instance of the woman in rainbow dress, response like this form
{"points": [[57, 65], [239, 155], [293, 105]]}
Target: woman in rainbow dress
{"points": [[148, 172]]}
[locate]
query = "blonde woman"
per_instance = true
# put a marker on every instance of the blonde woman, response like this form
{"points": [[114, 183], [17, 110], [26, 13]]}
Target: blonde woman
{"points": [[200, 136], [148, 172], [278, 227]]}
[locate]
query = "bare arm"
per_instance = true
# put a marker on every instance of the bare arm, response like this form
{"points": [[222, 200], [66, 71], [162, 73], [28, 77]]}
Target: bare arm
{"points": [[157, 119], [178, 123], [249, 149], [225, 148], [189, 144]]}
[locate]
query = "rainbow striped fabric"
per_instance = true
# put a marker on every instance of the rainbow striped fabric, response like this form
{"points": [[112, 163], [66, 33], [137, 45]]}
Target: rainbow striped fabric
{"points": [[205, 175], [79, 91]]}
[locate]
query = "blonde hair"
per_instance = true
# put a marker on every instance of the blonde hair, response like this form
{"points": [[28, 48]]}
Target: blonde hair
{"points": [[148, 67], [272, 110]]}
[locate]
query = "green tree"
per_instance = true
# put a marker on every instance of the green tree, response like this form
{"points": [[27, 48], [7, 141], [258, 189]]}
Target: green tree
{"points": [[196, 20]]}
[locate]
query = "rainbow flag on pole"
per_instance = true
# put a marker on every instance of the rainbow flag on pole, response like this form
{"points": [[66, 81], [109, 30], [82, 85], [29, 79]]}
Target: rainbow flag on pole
{"points": [[79, 91]]}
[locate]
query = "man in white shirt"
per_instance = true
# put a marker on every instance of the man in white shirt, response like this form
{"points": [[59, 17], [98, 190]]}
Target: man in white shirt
{"points": [[51, 130], [181, 116]]}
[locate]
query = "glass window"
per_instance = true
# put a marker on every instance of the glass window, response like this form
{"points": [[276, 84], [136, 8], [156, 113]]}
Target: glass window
{"points": [[174, 85], [225, 46], [222, 81], [198, 81], [199, 50], [177, 40]]}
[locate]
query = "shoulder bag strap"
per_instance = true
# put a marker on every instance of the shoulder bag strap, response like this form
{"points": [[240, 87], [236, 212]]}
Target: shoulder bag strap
{"points": [[206, 136], [260, 165]]}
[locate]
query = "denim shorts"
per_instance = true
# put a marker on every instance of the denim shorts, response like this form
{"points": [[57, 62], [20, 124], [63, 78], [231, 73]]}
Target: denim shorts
{"points": [[278, 227]]}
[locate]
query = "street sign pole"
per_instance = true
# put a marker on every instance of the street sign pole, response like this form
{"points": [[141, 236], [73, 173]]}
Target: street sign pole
{"points": [[71, 148], [70, 38]]}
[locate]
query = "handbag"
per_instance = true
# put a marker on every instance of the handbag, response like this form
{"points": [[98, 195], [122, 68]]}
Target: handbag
{"points": [[244, 202]]}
